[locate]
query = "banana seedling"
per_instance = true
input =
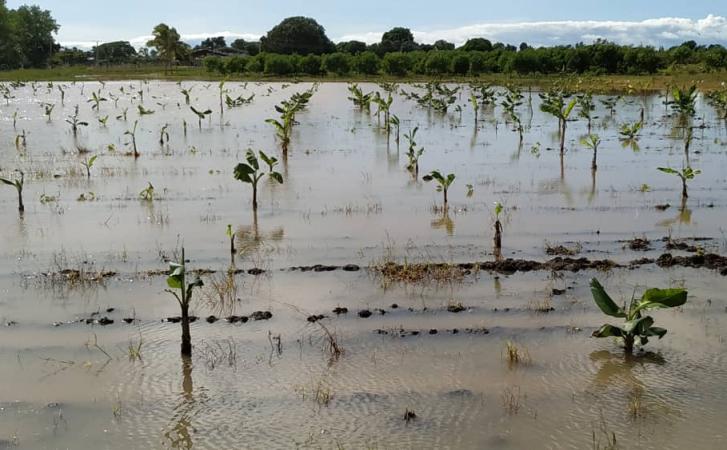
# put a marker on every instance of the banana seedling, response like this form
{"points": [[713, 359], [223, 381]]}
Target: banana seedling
{"points": [[250, 172], [48, 110], [498, 226], [102, 120], [636, 325], [554, 104], [359, 99], [186, 93], [394, 120], [200, 114], [164, 134], [75, 122], [88, 163], [18, 185], [147, 194], [592, 141], [132, 133], [413, 153], [231, 236], [177, 281], [443, 182], [685, 175], [143, 111], [96, 100]]}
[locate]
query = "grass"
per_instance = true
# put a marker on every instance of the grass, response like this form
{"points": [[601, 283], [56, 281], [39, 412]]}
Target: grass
{"points": [[595, 83], [516, 354]]}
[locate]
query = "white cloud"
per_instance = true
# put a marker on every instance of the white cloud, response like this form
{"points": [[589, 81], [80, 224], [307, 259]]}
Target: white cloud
{"points": [[664, 31], [659, 31]]}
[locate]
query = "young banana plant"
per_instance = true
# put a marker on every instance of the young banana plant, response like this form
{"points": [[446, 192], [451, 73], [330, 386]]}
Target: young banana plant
{"points": [[132, 133], [685, 175], [186, 93], [48, 110], [636, 325], [75, 122], [177, 281], [394, 120], [443, 182], [592, 141], [413, 153], [143, 111], [554, 104], [586, 108], [96, 99], [200, 114], [88, 163], [684, 101], [164, 134], [360, 100], [18, 185], [250, 172]]}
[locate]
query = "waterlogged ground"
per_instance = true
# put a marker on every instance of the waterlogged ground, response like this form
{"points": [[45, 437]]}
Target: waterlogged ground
{"points": [[347, 199]]}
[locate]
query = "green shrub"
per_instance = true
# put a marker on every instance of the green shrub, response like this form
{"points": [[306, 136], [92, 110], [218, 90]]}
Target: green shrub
{"points": [[256, 64], [214, 64], [397, 64], [236, 64], [460, 64], [438, 63], [338, 63], [367, 63], [310, 65], [279, 65]]}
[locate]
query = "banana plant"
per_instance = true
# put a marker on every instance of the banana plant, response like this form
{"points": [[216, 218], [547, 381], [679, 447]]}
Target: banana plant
{"points": [[685, 175], [250, 172], [186, 93], [384, 105], [611, 103], [498, 226], [75, 122], [102, 120], [359, 99], [231, 236], [177, 281], [239, 101], [132, 133], [636, 324], [684, 100], [48, 110], [96, 99], [147, 194], [143, 111], [394, 120], [554, 104], [164, 134], [443, 182], [413, 153], [585, 108], [200, 114], [63, 94], [18, 185], [87, 163], [592, 141], [474, 102], [630, 131]]}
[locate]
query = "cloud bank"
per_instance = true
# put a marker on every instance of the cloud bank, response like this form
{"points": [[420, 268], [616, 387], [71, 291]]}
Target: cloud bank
{"points": [[665, 31]]}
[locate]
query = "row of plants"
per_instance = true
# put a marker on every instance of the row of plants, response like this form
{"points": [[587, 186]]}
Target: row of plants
{"points": [[446, 62]]}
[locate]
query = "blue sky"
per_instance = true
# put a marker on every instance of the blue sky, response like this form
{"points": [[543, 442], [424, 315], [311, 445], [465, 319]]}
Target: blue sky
{"points": [[543, 22]]}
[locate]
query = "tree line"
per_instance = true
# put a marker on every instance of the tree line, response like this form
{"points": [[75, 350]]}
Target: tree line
{"points": [[299, 45]]}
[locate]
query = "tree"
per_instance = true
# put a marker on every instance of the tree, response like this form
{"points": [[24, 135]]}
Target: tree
{"points": [[443, 45], [114, 52], [166, 41], [397, 40], [352, 47], [251, 48], [214, 43], [338, 63], [367, 63], [301, 35], [31, 35], [477, 44]]}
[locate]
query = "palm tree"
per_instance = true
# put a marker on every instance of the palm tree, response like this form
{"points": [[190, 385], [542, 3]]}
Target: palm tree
{"points": [[166, 41]]}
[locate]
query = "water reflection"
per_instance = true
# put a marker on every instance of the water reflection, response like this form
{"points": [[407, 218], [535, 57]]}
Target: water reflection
{"points": [[683, 217], [179, 434], [249, 238], [444, 222]]}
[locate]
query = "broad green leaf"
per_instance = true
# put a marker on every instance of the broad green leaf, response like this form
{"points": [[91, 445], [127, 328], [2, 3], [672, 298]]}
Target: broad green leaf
{"points": [[668, 170], [252, 160], [604, 302], [638, 326], [609, 331], [662, 298], [242, 172], [277, 177], [656, 331]]}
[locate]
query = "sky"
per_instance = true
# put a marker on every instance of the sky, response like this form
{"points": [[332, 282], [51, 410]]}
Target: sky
{"points": [[537, 22]]}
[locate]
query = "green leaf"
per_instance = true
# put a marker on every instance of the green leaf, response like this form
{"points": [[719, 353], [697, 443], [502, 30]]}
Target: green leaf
{"points": [[277, 177], [662, 298], [604, 302], [609, 331], [6, 181], [252, 160], [242, 172], [638, 326], [668, 170], [656, 331], [176, 274]]}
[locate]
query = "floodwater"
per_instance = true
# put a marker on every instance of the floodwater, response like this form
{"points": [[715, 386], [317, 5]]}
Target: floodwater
{"points": [[348, 199]]}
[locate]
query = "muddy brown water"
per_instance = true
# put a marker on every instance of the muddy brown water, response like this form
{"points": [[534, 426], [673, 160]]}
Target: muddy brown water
{"points": [[347, 199]]}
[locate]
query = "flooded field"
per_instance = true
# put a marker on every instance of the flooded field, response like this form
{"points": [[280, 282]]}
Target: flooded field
{"points": [[437, 339]]}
